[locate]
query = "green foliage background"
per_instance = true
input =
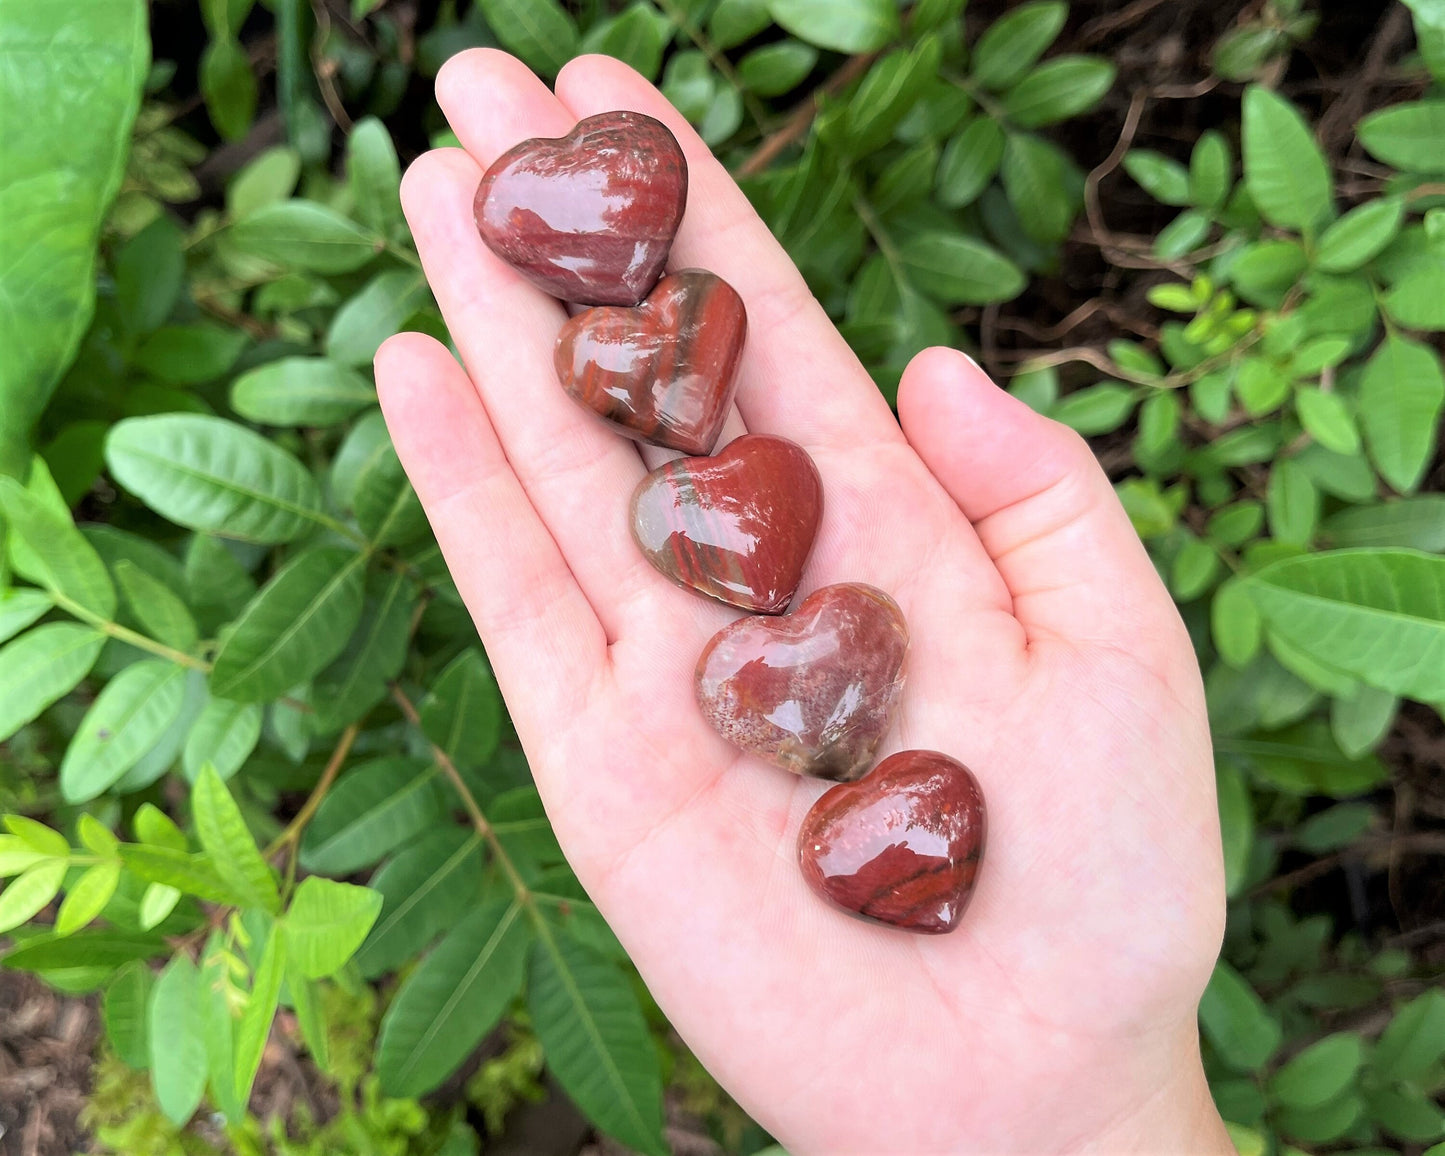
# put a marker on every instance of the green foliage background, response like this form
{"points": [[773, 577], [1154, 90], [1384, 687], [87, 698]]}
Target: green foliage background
{"points": [[220, 597]]}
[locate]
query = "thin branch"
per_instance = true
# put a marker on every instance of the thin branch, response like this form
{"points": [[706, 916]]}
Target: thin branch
{"points": [[293, 830], [801, 118]]}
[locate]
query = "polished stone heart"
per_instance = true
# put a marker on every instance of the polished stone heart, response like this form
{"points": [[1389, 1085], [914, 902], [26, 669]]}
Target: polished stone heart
{"points": [[737, 527], [664, 371], [590, 216], [814, 692], [902, 846]]}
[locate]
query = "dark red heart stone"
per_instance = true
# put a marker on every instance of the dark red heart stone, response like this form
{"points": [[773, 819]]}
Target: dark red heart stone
{"points": [[814, 692], [589, 216], [664, 371], [902, 846], [737, 527]]}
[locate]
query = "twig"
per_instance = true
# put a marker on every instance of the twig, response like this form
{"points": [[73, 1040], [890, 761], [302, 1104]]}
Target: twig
{"points": [[1421, 843], [479, 819], [796, 126], [325, 70], [1095, 30], [293, 830]]}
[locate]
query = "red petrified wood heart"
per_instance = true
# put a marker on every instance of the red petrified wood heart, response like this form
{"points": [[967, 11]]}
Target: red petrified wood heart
{"points": [[738, 526], [662, 372], [590, 216], [902, 846], [813, 692]]}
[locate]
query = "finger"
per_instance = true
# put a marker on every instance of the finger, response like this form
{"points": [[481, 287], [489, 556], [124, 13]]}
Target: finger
{"points": [[1043, 508], [798, 376], [545, 643], [577, 473]]}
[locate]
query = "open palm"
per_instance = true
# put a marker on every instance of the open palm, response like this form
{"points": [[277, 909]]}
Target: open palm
{"points": [[1046, 655]]}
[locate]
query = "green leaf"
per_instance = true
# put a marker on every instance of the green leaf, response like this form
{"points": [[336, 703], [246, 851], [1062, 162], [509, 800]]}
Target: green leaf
{"points": [[224, 736], [26, 895], [1362, 720], [373, 808], [255, 1023], [38, 836], [1401, 394], [41, 666], [1360, 235], [126, 720], [1327, 419], [374, 175], [305, 236], [887, 92], [637, 36], [1182, 235], [297, 623], [425, 889], [177, 1048], [210, 474], [84, 949], [1266, 271], [271, 177], [463, 712], [87, 897], [20, 608], [54, 553], [127, 998], [1284, 169], [325, 924], [374, 314], [1414, 523], [190, 354], [218, 1025], [156, 607], [1378, 615], [1236, 1022], [70, 90], [1406, 1113], [839, 25], [224, 835], [301, 391], [193, 874], [357, 680], [597, 1044], [1236, 825], [1407, 136], [155, 827], [156, 904], [1166, 180], [1324, 1124], [310, 1015], [1333, 828], [387, 507], [1292, 502], [960, 270], [538, 31], [1012, 43], [969, 162], [148, 271], [1319, 1073], [734, 21], [1211, 171], [453, 999], [1096, 409], [777, 68], [1235, 624], [1058, 89], [229, 87], [1040, 183], [1415, 1040], [1417, 300]]}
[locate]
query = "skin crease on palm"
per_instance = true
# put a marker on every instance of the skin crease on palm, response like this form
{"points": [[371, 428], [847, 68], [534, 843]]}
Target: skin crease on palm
{"points": [[1046, 655]]}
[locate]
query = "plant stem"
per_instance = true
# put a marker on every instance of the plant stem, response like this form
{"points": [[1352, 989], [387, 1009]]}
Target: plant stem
{"points": [[126, 634], [474, 811], [715, 57], [292, 833]]}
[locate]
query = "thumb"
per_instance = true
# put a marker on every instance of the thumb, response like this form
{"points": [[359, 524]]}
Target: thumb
{"points": [[1042, 506]]}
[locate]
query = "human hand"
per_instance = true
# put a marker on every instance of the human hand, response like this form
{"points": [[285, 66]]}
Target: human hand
{"points": [[1046, 655]]}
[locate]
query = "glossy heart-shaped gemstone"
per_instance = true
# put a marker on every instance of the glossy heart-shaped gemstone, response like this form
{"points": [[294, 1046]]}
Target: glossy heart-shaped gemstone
{"points": [[813, 692], [664, 371], [738, 526], [902, 846], [589, 216]]}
